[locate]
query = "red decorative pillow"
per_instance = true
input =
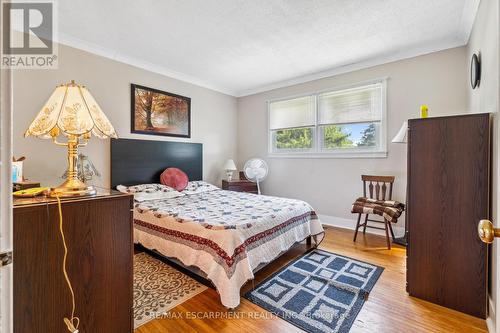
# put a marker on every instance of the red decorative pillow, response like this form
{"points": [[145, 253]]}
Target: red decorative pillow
{"points": [[175, 178]]}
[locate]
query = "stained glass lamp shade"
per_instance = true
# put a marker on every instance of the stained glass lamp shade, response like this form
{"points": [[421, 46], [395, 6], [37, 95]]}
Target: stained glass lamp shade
{"points": [[71, 113]]}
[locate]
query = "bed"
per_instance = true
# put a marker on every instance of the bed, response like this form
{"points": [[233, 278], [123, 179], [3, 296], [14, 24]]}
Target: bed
{"points": [[227, 236]]}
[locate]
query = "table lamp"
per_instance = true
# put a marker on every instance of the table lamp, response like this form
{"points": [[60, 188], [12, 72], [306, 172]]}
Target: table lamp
{"points": [[229, 167], [73, 113], [402, 135]]}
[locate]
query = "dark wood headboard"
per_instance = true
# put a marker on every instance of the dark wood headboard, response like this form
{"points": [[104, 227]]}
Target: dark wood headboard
{"points": [[142, 161]]}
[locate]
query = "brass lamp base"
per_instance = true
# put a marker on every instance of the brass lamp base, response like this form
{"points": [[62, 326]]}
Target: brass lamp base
{"points": [[72, 188]]}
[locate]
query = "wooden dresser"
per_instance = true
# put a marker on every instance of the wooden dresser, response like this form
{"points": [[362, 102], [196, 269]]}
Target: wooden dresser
{"points": [[448, 193], [239, 185], [99, 235]]}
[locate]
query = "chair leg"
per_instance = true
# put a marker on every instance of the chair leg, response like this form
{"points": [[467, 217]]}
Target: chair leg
{"points": [[392, 231], [357, 227], [387, 234], [366, 223]]}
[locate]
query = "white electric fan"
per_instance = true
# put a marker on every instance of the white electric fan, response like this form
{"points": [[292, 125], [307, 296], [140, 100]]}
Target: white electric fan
{"points": [[255, 170]]}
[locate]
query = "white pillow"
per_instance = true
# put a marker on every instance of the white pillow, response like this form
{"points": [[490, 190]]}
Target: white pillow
{"points": [[199, 186], [144, 192]]}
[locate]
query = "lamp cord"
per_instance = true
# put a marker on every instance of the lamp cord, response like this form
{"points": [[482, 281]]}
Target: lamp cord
{"points": [[73, 322]]}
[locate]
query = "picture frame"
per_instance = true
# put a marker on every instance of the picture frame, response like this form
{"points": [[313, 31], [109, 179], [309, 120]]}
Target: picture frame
{"points": [[157, 112]]}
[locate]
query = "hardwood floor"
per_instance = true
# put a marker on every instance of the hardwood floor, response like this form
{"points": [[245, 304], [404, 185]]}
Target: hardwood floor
{"points": [[388, 308]]}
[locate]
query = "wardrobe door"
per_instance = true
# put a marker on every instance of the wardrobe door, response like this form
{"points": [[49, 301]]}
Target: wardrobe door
{"points": [[448, 193]]}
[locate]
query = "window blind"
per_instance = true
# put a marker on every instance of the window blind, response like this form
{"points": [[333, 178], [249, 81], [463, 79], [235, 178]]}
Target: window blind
{"points": [[362, 104], [297, 112]]}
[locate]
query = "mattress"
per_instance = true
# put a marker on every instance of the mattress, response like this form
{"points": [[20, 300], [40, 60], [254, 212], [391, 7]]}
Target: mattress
{"points": [[225, 234]]}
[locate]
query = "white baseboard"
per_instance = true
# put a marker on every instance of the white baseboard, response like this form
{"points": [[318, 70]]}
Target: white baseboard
{"points": [[490, 324], [344, 223], [490, 321]]}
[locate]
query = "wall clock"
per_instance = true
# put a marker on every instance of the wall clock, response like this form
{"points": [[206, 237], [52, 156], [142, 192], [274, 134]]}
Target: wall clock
{"points": [[475, 71]]}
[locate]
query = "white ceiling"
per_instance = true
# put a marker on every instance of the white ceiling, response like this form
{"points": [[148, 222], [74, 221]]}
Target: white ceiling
{"points": [[241, 47]]}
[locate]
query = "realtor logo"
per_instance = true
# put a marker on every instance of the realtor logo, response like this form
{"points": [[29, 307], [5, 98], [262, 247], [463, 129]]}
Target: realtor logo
{"points": [[28, 34]]}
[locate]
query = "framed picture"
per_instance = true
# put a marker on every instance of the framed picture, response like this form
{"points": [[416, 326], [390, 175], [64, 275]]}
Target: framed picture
{"points": [[157, 112]]}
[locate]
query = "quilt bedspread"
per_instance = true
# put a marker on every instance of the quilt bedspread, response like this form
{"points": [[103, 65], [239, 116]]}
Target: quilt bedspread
{"points": [[225, 234]]}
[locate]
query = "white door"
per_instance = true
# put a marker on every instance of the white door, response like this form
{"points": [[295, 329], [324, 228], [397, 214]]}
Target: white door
{"points": [[5, 197]]}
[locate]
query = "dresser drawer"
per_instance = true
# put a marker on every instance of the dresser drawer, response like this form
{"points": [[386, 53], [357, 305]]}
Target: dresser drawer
{"points": [[239, 186], [243, 188]]}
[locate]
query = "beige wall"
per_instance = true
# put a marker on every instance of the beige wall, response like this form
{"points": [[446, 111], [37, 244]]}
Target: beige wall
{"points": [[213, 114], [330, 185], [484, 40]]}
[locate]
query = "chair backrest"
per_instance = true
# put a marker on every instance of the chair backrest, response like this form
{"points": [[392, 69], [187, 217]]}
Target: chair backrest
{"points": [[379, 187]]}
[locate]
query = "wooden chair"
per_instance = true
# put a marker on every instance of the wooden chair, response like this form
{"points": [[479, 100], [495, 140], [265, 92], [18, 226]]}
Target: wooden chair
{"points": [[379, 188]]}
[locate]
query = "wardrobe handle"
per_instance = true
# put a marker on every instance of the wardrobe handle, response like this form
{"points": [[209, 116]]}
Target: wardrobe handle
{"points": [[486, 231]]}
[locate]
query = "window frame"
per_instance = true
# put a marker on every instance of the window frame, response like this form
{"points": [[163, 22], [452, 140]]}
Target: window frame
{"points": [[318, 151]]}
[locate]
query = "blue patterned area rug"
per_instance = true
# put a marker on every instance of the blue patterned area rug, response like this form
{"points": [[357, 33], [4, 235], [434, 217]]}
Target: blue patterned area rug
{"points": [[318, 292]]}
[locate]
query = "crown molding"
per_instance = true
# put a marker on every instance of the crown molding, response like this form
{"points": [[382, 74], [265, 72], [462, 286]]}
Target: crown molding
{"points": [[371, 62], [135, 62], [467, 20], [461, 38]]}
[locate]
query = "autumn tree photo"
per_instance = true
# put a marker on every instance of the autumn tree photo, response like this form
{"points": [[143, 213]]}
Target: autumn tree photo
{"points": [[160, 113]]}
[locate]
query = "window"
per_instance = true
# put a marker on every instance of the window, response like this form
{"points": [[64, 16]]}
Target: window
{"points": [[292, 124], [344, 123]]}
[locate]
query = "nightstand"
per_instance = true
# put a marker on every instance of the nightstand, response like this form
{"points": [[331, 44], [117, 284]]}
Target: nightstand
{"points": [[239, 185]]}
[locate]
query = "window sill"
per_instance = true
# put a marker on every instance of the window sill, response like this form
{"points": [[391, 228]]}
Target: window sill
{"points": [[378, 154]]}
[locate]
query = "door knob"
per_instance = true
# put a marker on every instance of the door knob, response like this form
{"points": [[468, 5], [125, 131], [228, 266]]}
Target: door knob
{"points": [[486, 231]]}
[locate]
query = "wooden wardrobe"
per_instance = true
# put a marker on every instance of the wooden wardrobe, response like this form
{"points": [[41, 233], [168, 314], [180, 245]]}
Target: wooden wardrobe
{"points": [[448, 193]]}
